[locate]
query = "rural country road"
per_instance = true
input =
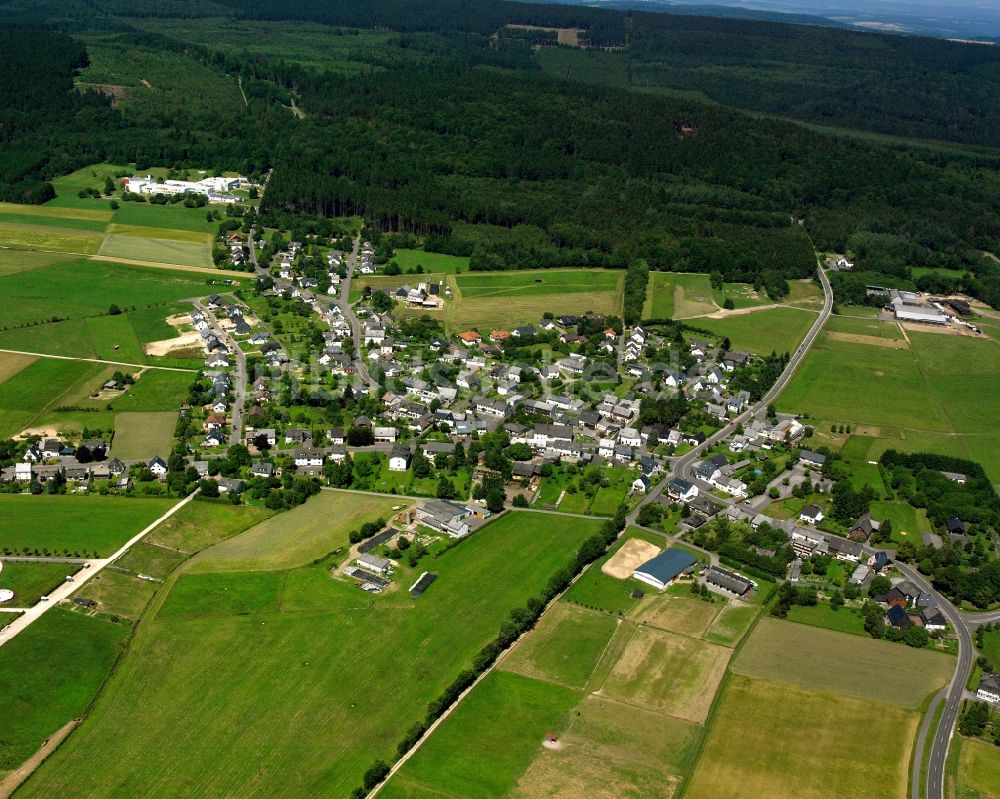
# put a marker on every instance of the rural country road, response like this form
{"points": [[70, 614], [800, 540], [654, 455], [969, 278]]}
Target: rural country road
{"points": [[682, 465], [343, 301], [84, 576], [951, 695]]}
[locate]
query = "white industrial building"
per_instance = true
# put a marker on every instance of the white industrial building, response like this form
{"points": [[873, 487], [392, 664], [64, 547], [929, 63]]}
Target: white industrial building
{"points": [[214, 188], [907, 308]]}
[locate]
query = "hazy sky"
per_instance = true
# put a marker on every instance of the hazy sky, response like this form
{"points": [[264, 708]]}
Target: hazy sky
{"points": [[954, 18]]}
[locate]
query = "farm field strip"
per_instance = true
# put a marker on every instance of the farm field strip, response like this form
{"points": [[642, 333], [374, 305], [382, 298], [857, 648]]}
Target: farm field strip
{"points": [[180, 674], [923, 397]]}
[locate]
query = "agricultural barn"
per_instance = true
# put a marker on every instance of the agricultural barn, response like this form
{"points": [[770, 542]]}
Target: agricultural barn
{"points": [[662, 570], [728, 581]]}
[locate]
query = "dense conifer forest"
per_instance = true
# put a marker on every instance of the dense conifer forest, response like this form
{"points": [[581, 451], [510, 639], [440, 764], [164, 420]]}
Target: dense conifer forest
{"points": [[455, 134]]}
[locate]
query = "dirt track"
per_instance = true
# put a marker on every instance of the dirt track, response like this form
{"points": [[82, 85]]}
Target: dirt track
{"points": [[14, 779]]}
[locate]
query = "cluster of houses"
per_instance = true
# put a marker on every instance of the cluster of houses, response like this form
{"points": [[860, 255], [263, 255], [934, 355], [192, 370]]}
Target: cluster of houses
{"points": [[81, 465]]}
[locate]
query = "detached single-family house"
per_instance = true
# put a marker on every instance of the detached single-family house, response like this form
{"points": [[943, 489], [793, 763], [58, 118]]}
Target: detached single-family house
{"points": [[682, 489], [811, 514], [157, 466], [399, 459], [989, 689]]}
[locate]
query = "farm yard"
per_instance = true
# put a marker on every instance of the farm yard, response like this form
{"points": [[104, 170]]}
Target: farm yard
{"points": [[507, 299], [304, 674], [925, 396]]}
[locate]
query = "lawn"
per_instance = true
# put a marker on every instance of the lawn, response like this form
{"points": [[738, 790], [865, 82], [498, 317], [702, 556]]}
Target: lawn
{"points": [[73, 524], [29, 581], [564, 648], [667, 673], [81, 288], [142, 435], [297, 536], [488, 742], [907, 522], [766, 331], [504, 300], [853, 747], [161, 250], [849, 664], [978, 770], [300, 703], [432, 262], [731, 624], [48, 675], [924, 397]]}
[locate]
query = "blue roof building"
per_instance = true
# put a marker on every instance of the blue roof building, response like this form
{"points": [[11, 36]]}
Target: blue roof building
{"points": [[660, 571]]}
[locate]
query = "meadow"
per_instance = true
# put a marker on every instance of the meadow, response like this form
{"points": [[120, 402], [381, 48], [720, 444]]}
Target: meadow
{"points": [[564, 648], [925, 397], [764, 331], [978, 774], [174, 716], [63, 657], [83, 288], [141, 435], [629, 727], [49, 238], [160, 250], [40, 385], [73, 524], [851, 665], [680, 295], [432, 262], [507, 299], [14, 261], [731, 624], [853, 747], [29, 581]]}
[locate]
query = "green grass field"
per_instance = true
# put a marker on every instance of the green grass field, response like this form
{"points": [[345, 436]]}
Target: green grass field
{"points": [[114, 339], [49, 238], [679, 295], [63, 657], [71, 524], [80, 288], [978, 769], [850, 665], [161, 250], [29, 581], [228, 594], [507, 299], [140, 436], [731, 624], [164, 217], [16, 215], [175, 714], [667, 673], [772, 329], [677, 614], [464, 761], [14, 261], [845, 620], [565, 647], [927, 396], [40, 385], [853, 747], [432, 262], [201, 524]]}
